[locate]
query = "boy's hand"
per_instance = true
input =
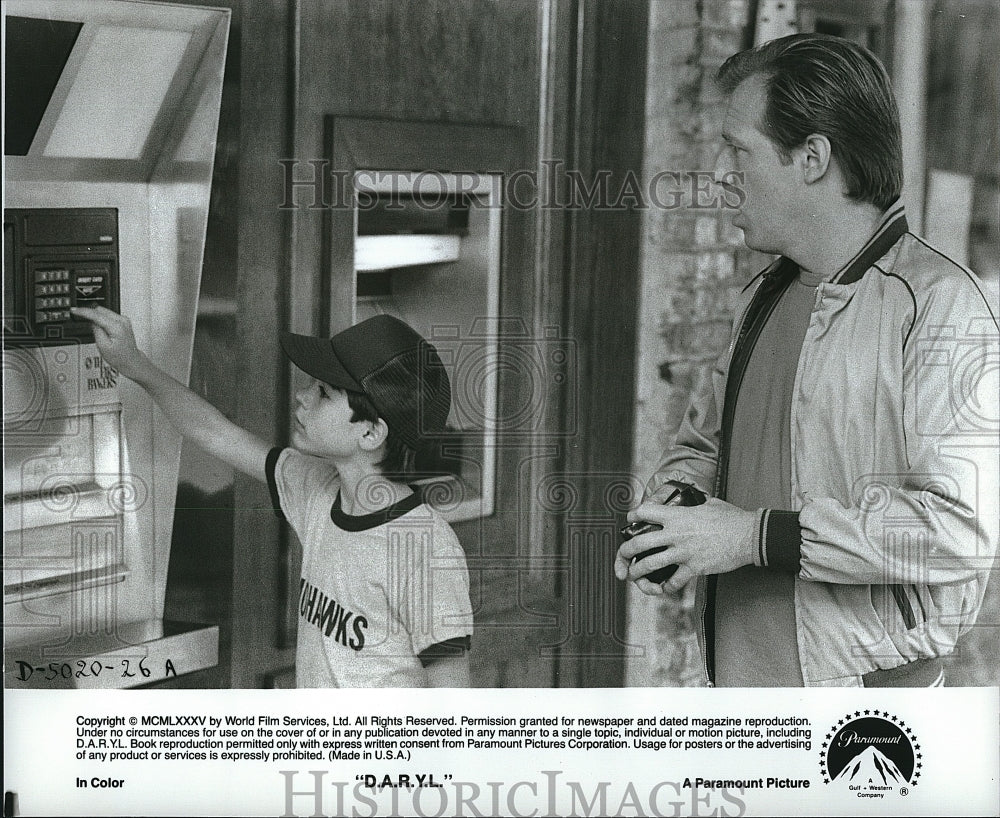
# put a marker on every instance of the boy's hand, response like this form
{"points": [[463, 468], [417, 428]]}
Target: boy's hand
{"points": [[115, 340]]}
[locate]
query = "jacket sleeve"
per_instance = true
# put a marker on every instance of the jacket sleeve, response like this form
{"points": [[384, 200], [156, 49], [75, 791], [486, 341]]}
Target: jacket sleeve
{"points": [[937, 521]]}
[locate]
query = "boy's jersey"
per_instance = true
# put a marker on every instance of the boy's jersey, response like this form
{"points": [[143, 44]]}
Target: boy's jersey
{"points": [[376, 590]]}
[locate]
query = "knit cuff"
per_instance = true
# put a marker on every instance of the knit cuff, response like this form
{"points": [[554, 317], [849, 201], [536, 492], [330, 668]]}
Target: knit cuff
{"points": [[779, 541]]}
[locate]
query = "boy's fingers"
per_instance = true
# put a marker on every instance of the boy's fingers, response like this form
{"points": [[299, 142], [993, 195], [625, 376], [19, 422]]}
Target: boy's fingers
{"points": [[100, 316], [90, 313]]}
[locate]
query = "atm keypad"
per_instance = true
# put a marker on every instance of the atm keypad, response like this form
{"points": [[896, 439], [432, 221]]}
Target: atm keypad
{"points": [[60, 274], [48, 316], [59, 288], [51, 289]]}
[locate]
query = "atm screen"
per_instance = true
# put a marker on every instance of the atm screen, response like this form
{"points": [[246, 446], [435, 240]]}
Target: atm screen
{"points": [[36, 51]]}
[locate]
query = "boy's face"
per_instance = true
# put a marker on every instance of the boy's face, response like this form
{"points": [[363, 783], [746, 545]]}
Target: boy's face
{"points": [[323, 425]]}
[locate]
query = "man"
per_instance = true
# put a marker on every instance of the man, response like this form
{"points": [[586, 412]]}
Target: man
{"points": [[852, 474]]}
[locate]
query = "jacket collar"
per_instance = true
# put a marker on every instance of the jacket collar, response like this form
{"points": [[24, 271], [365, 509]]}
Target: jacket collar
{"points": [[890, 228]]}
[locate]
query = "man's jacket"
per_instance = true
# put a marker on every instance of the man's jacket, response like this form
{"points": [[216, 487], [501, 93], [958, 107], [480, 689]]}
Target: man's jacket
{"points": [[895, 456]]}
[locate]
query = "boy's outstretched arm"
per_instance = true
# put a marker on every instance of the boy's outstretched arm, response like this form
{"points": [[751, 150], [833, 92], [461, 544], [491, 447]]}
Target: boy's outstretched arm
{"points": [[193, 416]]}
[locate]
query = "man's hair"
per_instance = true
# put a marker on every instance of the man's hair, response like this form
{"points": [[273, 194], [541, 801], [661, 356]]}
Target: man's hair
{"points": [[819, 84], [398, 462]]}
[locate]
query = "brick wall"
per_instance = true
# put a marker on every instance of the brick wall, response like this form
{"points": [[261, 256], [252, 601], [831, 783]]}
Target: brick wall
{"points": [[693, 266]]}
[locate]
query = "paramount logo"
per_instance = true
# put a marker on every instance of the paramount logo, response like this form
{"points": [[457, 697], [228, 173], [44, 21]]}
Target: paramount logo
{"points": [[873, 768], [872, 754]]}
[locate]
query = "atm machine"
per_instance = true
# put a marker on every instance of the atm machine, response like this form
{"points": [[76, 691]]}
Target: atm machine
{"points": [[111, 115]]}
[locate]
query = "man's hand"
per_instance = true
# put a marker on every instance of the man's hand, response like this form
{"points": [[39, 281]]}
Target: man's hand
{"points": [[115, 340], [708, 539]]}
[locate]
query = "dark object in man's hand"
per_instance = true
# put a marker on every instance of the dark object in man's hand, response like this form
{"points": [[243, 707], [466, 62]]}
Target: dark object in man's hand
{"points": [[683, 494]]}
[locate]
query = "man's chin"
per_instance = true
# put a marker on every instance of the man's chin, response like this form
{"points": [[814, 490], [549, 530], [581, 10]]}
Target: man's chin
{"points": [[747, 233], [752, 243]]}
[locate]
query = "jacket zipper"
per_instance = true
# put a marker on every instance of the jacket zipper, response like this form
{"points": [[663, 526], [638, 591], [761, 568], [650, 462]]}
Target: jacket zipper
{"points": [[920, 602], [732, 350], [757, 326], [904, 606], [709, 590], [709, 595], [723, 450]]}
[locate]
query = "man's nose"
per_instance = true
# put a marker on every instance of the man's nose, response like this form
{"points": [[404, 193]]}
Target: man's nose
{"points": [[302, 396], [728, 180]]}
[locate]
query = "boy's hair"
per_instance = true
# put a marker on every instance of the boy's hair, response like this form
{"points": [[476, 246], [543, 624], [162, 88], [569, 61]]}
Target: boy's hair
{"points": [[819, 84], [399, 460]]}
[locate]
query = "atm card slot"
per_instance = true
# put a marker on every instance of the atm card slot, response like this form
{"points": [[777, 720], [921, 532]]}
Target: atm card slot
{"points": [[61, 583]]}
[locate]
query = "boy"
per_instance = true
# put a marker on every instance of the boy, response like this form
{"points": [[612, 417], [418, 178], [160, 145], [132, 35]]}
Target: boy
{"points": [[384, 594]]}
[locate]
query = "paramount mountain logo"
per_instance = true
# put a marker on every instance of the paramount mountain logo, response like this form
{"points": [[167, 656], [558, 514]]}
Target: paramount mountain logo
{"points": [[872, 766], [872, 754]]}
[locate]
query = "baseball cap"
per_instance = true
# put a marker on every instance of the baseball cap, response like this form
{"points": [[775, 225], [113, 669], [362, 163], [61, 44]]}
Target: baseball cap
{"points": [[390, 362]]}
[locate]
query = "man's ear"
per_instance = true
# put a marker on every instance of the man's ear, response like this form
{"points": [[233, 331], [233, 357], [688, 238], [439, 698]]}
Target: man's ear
{"points": [[375, 435], [815, 156]]}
